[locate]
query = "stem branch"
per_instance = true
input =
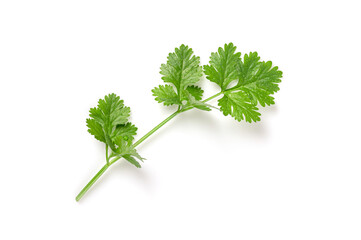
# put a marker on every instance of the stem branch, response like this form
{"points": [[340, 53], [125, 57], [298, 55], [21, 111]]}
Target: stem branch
{"points": [[156, 128], [92, 181], [112, 161], [106, 153]]}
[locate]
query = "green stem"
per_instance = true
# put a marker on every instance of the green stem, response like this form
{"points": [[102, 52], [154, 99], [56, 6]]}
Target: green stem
{"points": [[92, 181], [211, 97], [106, 153], [155, 128], [204, 101], [115, 159], [170, 118]]}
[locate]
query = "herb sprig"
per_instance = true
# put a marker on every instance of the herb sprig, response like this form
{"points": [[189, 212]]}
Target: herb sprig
{"points": [[244, 84]]}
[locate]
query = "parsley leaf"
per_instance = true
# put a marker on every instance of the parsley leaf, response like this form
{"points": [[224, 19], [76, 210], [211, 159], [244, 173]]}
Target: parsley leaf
{"points": [[255, 81], [126, 131], [222, 68], [195, 103], [238, 105], [258, 79], [108, 123], [110, 120], [182, 70], [165, 94], [127, 151], [95, 129], [196, 92]]}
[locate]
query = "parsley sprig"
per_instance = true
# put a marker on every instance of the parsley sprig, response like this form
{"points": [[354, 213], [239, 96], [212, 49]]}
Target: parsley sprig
{"points": [[244, 84]]}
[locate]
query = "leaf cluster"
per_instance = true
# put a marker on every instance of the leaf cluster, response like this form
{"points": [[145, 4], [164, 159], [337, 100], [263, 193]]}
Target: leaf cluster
{"points": [[244, 83], [182, 71], [109, 124], [254, 82]]}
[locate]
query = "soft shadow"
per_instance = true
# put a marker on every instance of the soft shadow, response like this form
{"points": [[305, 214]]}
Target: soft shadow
{"points": [[255, 130], [214, 122], [245, 130], [196, 119], [269, 110], [219, 125], [120, 168], [140, 175], [202, 120], [216, 125]]}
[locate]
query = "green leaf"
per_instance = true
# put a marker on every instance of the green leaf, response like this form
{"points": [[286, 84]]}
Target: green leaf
{"points": [[202, 106], [258, 79], [165, 94], [109, 119], [222, 68], [238, 105], [132, 160], [110, 112], [182, 69], [126, 150], [95, 129], [126, 131], [126, 147], [191, 101], [248, 67], [195, 91], [255, 82]]}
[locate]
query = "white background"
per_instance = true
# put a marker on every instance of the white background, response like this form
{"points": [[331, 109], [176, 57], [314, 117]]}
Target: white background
{"points": [[294, 175]]}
